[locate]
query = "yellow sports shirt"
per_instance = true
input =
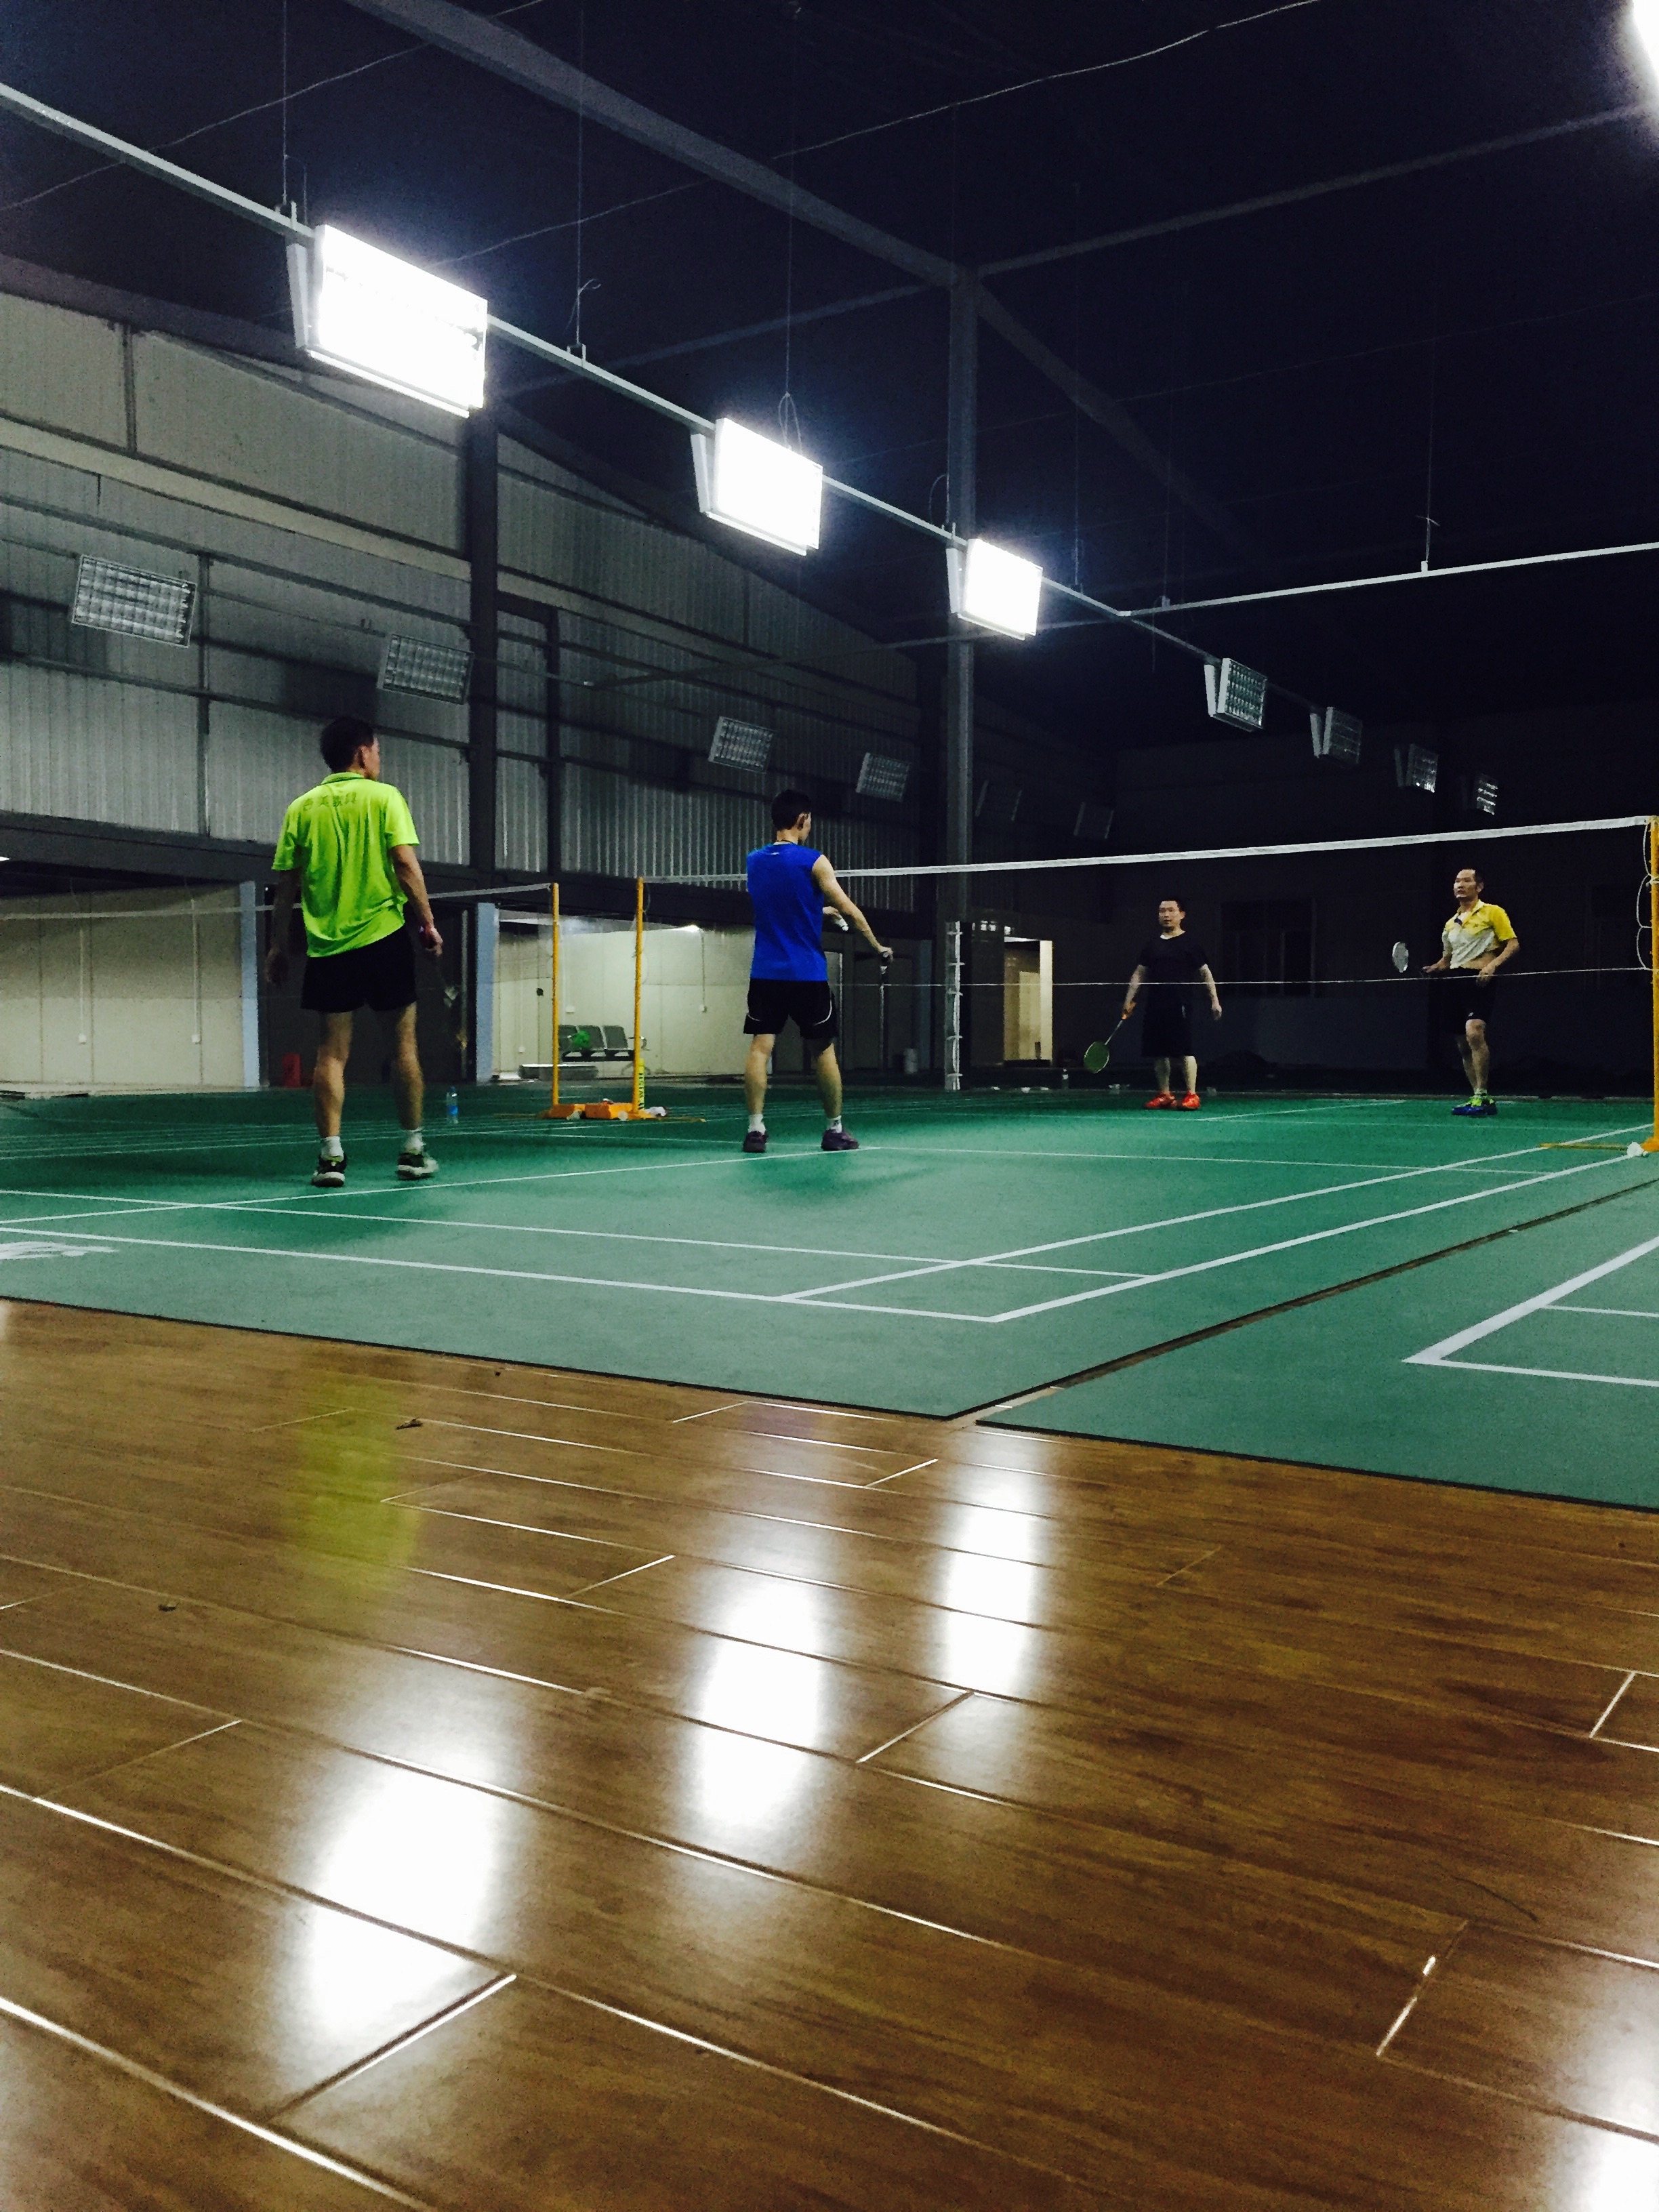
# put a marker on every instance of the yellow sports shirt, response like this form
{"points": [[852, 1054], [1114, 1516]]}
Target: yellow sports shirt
{"points": [[1469, 938], [340, 833]]}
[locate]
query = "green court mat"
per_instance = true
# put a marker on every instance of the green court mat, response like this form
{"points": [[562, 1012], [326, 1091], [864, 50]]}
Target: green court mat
{"points": [[972, 1250], [1530, 1363]]}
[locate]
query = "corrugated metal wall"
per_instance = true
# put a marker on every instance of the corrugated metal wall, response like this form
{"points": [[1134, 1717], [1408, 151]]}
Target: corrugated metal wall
{"points": [[318, 518]]}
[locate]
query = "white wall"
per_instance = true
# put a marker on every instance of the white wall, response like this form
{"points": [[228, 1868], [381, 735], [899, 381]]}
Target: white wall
{"points": [[122, 991], [695, 991]]}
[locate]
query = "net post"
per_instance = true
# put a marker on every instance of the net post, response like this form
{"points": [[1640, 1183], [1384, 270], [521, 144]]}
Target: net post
{"points": [[639, 981], [553, 985], [953, 1006]]}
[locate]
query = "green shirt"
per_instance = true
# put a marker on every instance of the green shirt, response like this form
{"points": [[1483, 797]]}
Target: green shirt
{"points": [[339, 833]]}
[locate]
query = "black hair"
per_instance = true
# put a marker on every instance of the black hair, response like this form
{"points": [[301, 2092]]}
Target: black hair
{"points": [[341, 738], [788, 807], [1170, 899], [1466, 870]]}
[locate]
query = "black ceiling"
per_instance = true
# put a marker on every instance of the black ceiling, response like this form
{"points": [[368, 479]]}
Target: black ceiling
{"points": [[1473, 342]]}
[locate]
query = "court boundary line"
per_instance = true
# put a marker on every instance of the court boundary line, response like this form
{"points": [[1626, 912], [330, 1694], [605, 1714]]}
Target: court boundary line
{"points": [[1443, 1354], [981, 1414]]}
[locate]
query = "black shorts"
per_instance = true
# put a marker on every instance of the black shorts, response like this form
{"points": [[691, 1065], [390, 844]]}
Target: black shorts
{"points": [[1461, 997], [1166, 1026], [774, 1002], [381, 976]]}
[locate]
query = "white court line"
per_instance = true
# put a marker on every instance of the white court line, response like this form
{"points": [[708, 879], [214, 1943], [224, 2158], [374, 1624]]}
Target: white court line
{"points": [[1171, 1221], [1544, 1374], [1617, 1313], [1444, 1354]]}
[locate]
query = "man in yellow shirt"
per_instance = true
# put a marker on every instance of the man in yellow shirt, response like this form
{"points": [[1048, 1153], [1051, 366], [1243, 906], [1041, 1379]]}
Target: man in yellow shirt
{"points": [[1474, 945], [347, 855]]}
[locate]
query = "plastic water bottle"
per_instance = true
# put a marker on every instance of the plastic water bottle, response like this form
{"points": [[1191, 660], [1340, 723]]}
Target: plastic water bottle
{"points": [[451, 1104]]}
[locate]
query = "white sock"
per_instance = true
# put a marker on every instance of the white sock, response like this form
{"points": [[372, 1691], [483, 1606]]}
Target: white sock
{"points": [[333, 1149], [756, 1124], [834, 1125], [413, 1141]]}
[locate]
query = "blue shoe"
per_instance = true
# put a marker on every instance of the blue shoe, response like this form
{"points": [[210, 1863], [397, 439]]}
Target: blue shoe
{"points": [[837, 1141], [1477, 1108], [753, 1141]]}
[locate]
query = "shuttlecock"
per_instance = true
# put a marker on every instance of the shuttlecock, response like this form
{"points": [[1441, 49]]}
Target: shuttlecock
{"points": [[1633, 1152]]}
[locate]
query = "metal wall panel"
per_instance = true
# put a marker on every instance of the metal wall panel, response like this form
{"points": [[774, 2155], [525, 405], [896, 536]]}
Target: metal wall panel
{"points": [[521, 815], [216, 418], [95, 751], [613, 555], [63, 369], [258, 762]]}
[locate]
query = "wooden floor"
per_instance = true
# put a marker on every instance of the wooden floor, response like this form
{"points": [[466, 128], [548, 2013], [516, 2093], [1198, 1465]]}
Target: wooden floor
{"points": [[433, 1783]]}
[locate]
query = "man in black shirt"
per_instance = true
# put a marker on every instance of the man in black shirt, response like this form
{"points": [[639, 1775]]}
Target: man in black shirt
{"points": [[1171, 964]]}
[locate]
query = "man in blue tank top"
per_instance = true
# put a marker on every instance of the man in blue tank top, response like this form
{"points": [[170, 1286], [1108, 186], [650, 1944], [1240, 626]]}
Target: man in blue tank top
{"points": [[791, 883]]}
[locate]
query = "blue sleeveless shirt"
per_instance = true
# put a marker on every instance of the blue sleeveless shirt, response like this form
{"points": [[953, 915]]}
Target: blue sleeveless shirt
{"points": [[788, 915]]}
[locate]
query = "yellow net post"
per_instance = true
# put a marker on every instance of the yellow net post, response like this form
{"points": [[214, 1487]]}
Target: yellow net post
{"points": [[1652, 1143], [638, 992]]}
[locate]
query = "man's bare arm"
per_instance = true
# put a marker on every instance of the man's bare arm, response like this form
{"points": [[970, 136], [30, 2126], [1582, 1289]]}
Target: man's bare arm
{"points": [[408, 869], [825, 877], [281, 915], [1493, 962], [1135, 982], [1208, 981]]}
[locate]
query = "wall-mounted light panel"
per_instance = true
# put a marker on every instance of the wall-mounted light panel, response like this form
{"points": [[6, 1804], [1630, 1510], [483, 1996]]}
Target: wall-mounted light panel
{"points": [[415, 664], [131, 602], [758, 485], [1415, 767], [1483, 795], [1336, 736], [740, 745], [1235, 694], [360, 309], [993, 588], [883, 776], [1093, 825]]}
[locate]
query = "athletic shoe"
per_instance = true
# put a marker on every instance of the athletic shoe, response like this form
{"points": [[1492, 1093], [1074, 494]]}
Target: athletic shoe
{"points": [[837, 1141], [1477, 1108], [753, 1141], [331, 1172], [416, 1167], [1163, 1098], [1190, 1101]]}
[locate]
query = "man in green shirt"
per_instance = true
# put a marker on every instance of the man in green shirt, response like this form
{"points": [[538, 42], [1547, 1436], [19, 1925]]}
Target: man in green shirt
{"points": [[347, 856]]}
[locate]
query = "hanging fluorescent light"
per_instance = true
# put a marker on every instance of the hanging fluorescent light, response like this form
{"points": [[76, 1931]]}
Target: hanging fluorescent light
{"points": [[1336, 736], [1235, 694], [357, 308], [756, 484], [1644, 17], [994, 588], [1093, 825], [882, 776], [740, 745], [1415, 767], [131, 602], [436, 671]]}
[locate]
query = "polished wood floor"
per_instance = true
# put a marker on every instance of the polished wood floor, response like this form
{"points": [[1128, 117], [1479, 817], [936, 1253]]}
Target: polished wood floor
{"points": [[438, 1784]]}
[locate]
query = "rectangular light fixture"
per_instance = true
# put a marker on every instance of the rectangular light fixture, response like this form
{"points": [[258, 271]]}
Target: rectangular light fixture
{"points": [[436, 671], [758, 485], [882, 776], [360, 309], [740, 745], [993, 588], [998, 804], [1483, 795], [1415, 767], [1336, 736], [1235, 694], [1644, 18], [132, 603], [1093, 825]]}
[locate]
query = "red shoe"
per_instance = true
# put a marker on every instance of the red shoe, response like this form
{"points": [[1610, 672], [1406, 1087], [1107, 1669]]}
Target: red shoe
{"points": [[1163, 1098], [1189, 1102]]}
